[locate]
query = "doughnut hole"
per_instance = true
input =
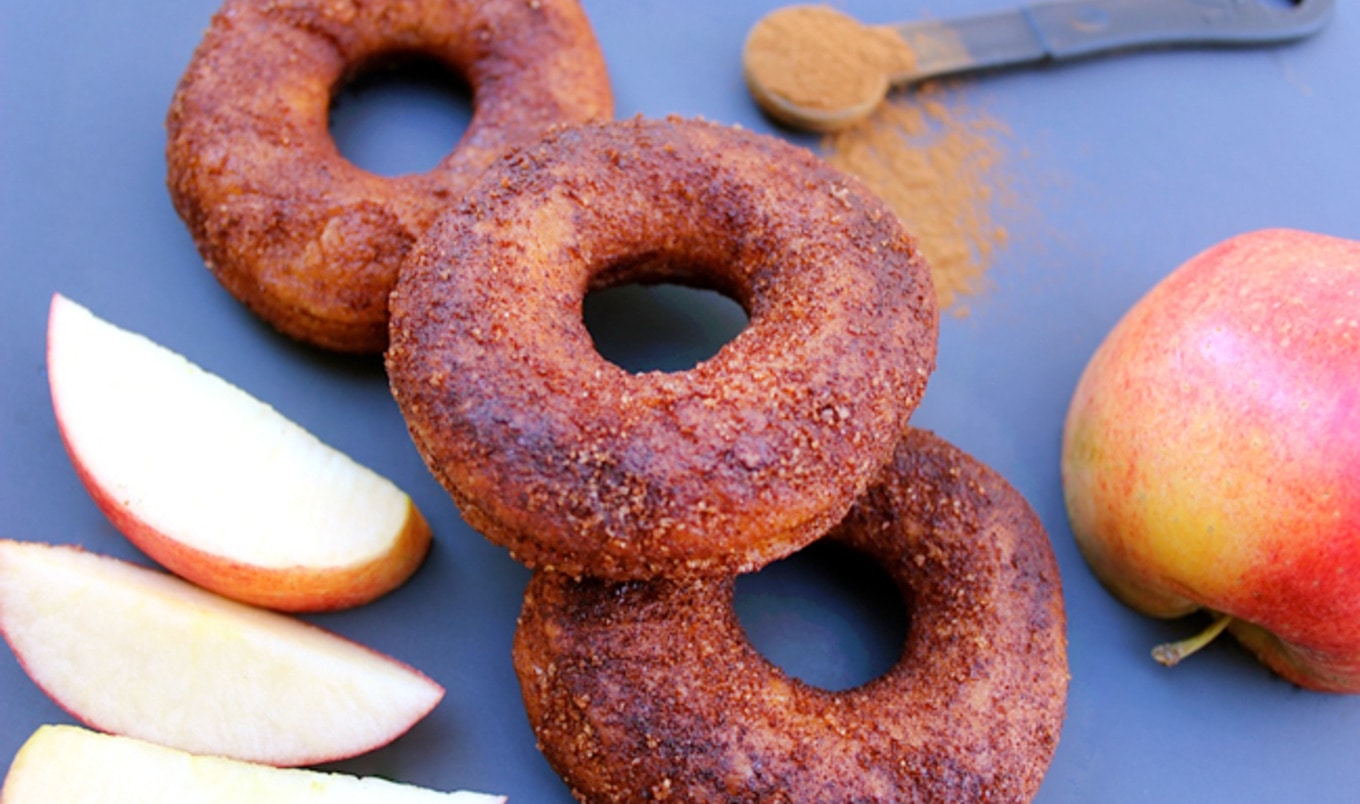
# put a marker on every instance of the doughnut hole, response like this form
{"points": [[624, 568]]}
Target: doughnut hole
{"points": [[827, 615], [658, 312], [663, 327], [400, 114]]}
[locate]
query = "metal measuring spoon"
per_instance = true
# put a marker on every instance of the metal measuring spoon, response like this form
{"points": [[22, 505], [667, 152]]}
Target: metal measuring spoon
{"points": [[1035, 32]]}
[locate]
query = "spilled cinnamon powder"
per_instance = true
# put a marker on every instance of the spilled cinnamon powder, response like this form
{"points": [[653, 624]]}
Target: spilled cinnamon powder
{"points": [[940, 166]]}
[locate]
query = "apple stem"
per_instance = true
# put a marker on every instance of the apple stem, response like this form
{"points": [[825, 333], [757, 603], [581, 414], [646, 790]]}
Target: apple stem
{"points": [[1171, 653]]}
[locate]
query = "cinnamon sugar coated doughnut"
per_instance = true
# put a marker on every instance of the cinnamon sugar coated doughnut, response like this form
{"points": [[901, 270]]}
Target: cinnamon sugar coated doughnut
{"points": [[578, 465], [302, 236], [650, 690]]}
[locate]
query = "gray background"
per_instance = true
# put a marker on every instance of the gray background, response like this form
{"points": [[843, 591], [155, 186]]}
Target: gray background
{"points": [[1124, 167]]}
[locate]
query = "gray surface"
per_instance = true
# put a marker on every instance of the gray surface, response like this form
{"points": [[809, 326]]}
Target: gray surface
{"points": [[1124, 167]]}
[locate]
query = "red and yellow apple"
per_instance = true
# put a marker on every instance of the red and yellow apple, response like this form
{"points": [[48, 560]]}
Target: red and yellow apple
{"points": [[217, 486], [1211, 452]]}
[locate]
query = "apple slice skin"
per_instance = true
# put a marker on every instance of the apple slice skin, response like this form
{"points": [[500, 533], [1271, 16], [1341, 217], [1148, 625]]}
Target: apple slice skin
{"points": [[304, 586], [248, 731], [292, 589], [71, 765]]}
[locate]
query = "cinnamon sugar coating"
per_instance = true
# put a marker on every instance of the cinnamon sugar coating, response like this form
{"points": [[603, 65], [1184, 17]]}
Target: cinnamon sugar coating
{"points": [[306, 239], [650, 690], [577, 465]]}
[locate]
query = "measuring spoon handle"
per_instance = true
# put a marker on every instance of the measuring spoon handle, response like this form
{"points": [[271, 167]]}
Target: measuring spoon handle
{"points": [[1069, 28]]}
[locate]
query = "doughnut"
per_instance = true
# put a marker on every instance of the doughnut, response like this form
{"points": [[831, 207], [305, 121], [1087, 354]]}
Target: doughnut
{"points": [[291, 228], [577, 465], [649, 690]]}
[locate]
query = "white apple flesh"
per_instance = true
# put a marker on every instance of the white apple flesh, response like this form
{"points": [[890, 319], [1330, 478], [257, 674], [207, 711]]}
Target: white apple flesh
{"points": [[217, 486], [137, 652], [71, 765]]}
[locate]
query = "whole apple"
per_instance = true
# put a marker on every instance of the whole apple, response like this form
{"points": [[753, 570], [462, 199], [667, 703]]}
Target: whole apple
{"points": [[1211, 453]]}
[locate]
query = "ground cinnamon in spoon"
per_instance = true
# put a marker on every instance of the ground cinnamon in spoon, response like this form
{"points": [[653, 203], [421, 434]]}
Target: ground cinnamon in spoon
{"points": [[816, 57], [939, 165]]}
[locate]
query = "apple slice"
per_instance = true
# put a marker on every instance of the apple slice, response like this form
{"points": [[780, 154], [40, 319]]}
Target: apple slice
{"points": [[138, 652], [71, 765], [217, 486]]}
